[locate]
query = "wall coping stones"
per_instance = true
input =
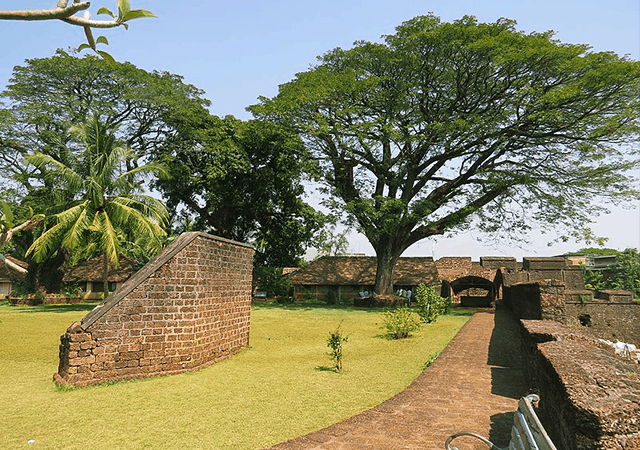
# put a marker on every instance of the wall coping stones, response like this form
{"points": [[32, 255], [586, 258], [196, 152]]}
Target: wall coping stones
{"points": [[591, 394]]}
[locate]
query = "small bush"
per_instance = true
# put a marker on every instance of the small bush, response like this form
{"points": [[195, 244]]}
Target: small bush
{"points": [[335, 341], [71, 289], [285, 299], [401, 322], [309, 297], [430, 303], [331, 298]]}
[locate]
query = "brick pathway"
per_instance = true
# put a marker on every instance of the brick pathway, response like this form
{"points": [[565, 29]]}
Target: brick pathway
{"points": [[473, 385]]}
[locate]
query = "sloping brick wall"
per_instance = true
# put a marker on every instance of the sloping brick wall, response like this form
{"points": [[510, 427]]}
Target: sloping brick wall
{"points": [[186, 309]]}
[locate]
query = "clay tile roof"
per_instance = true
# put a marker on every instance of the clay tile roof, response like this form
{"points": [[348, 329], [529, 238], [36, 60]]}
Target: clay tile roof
{"points": [[7, 272], [91, 270], [361, 271], [289, 270]]}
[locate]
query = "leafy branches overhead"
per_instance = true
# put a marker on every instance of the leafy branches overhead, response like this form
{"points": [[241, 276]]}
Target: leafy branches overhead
{"points": [[47, 98], [242, 181], [67, 13], [448, 125]]}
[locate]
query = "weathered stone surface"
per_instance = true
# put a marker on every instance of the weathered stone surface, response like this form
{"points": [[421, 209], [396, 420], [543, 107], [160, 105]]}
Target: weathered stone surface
{"points": [[590, 396]]}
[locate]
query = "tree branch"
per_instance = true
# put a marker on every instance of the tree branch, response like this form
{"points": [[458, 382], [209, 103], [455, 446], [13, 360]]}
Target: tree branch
{"points": [[60, 12], [12, 265]]}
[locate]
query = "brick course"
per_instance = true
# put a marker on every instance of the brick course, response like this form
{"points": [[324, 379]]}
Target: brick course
{"points": [[188, 308]]}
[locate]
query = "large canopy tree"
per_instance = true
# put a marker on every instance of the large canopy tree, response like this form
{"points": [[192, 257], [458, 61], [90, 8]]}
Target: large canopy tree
{"points": [[242, 181], [445, 125]]}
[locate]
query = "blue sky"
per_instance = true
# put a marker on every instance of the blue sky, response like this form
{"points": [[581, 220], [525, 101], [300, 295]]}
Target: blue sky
{"points": [[237, 51]]}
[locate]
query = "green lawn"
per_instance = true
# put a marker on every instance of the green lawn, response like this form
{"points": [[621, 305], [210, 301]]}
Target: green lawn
{"points": [[279, 388]]}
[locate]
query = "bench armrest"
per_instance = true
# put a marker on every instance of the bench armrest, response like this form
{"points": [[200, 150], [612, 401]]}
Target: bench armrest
{"points": [[450, 439]]}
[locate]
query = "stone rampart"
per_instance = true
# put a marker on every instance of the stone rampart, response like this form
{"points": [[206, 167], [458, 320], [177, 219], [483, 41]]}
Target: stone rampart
{"points": [[590, 397], [611, 315], [186, 309]]}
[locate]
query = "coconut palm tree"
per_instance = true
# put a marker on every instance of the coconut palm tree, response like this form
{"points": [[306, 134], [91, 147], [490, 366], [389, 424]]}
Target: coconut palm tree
{"points": [[108, 202]]}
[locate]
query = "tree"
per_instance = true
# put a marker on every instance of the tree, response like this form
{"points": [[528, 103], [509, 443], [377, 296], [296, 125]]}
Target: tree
{"points": [[448, 125], [65, 12], [48, 97], [331, 242], [240, 180], [627, 271], [108, 206], [624, 274]]}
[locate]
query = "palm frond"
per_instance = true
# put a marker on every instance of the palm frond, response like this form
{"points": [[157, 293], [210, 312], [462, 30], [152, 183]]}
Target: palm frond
{"points": [[139, 219], [49, 241], [108, 237], [71, 179], [75, 228]]}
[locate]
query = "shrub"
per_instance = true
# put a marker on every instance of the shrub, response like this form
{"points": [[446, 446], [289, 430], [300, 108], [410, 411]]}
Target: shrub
{"points": [[271, 281], [331, 298], [285, 299], [71, 289], [335, 341], [430, 303], [400, 322], [309, 297]]}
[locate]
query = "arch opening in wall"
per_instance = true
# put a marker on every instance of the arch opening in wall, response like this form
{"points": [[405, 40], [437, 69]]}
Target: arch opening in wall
{"points": [[473, 291]]}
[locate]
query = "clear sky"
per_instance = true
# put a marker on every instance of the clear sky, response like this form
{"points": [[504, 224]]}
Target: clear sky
{"points": [[236, 52]]}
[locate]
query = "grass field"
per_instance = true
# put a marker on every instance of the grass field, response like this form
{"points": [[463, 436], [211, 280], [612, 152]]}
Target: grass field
{"points": [[279, 388]]}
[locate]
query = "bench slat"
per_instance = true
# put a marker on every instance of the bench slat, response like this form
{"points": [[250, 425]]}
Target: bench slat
{"points": [[540, 437], [527, 433]]}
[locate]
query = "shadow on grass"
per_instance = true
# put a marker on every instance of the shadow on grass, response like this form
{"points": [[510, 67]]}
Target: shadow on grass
{"points": [[326, 369], [310, 306], [55, 308]]}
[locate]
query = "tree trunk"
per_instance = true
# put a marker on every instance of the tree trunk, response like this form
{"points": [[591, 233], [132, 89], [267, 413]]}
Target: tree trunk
{"points": [[386, 262], [105, 275]]}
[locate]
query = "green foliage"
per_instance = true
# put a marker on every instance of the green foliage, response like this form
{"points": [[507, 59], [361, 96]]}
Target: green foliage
{"points": [[401, 322], [247, 179], [285, 299], [593, 279], [71, 289], [331, 298], [107, 206], [335, 341], [627, 271], [431, 304], [271, 281], [445, 126], [625, 274], [328, 241], [50, 100], [309, 297]]}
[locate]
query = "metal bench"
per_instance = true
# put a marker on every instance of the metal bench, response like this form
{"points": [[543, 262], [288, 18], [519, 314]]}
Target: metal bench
{"points": [[527, 432]]}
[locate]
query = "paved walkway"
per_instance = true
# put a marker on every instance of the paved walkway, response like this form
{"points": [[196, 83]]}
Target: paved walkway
{"points": [[473, 385]]}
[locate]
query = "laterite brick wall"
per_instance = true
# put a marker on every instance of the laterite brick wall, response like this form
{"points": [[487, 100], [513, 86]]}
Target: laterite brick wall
{"points": [[186, 309], [589, 396]]}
